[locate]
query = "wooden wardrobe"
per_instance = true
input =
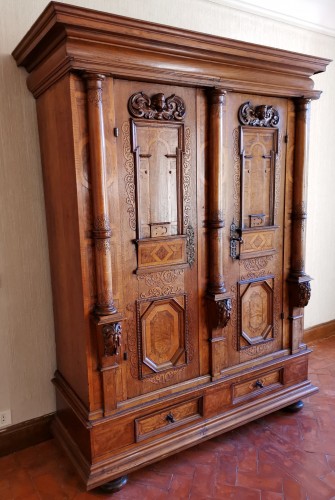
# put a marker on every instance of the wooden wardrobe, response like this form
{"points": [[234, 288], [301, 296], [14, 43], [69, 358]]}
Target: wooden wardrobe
{"points": [[174, 168]]}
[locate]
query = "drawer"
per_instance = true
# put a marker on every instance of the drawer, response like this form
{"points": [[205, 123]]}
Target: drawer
{"points": [[256, 386], [169, 418]]}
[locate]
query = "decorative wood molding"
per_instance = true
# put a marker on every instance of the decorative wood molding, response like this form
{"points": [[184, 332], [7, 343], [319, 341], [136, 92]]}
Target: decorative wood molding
{"points": [[258, 116], [59, 36], [319, 332], [25, 434], [158, 107]]}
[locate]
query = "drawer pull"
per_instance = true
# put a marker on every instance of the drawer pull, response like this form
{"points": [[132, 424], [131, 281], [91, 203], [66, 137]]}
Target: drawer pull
{"points": [[259, 384], [170, 418]]}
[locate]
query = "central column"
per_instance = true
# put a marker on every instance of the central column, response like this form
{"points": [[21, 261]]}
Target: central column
{"points": [[219, 302], [216, 221]]}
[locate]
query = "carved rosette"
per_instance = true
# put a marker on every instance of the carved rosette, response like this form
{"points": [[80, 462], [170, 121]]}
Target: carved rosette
{"points": [[158, 107], [223, 308], [258, 116], [112, 339]]}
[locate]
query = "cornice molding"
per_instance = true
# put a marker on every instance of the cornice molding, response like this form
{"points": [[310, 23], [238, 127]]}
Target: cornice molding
{"points": [[58, 43], [273, 15]]}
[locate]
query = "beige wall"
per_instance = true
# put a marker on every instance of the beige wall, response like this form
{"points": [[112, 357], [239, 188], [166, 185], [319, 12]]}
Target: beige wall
{"points": [[27, 354]]}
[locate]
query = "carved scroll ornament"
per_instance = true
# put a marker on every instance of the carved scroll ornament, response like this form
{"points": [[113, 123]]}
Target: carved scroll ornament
{"points": [[112, 339], [158, 107], [258, 116]]}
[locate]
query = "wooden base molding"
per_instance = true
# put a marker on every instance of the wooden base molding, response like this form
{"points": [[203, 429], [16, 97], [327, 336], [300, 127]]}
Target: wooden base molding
{"points": [[318, 332], [25, 434]]}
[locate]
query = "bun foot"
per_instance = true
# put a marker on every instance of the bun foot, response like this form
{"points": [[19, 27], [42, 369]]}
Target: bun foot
{"points": [[293, 408], [115, 485]]}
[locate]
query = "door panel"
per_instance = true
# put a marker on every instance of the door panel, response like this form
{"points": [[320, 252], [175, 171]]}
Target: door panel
{"points": [[255, 173], [158, 234]]}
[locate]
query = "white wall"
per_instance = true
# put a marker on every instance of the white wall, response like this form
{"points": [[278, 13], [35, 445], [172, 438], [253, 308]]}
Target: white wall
{"points": [[27, 354]]}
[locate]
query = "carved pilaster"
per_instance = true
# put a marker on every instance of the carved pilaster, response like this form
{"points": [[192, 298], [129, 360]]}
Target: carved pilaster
{"points": [[108, 332], [101, 225], [216, 219]]}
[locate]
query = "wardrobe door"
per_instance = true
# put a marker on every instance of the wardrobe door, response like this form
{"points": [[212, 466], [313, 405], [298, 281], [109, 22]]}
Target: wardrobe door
{"points": [[156, 162], [255, 208]]}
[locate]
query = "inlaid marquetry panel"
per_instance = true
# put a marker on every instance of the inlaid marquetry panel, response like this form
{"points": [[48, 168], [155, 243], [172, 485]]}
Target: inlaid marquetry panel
{"points": [[162, 334], [256, 305], [161, 252], [258, 242]]}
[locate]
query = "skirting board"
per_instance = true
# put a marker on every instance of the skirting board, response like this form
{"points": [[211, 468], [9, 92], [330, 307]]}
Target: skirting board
{"points": [[29, 433], [318, 332], [25, 434]]}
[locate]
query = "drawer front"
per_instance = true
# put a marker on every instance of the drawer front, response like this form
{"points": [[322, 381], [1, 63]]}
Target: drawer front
{"points": [[169, 418], [256, 386]]}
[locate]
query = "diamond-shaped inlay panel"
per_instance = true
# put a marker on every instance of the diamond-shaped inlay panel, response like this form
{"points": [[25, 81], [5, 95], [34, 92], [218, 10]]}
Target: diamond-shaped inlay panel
{"points": [[162, 252], [257, 241]]}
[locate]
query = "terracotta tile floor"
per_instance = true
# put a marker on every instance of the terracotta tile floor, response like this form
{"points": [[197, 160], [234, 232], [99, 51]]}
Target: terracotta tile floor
{"points": [[279, 457]]}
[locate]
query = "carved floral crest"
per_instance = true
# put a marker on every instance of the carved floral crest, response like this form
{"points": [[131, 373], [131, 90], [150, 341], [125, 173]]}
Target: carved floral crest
{"points": [[157, 107], [258, 116]]}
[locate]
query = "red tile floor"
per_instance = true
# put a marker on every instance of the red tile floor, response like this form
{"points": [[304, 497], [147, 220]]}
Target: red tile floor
{"points": [[278, 457]]}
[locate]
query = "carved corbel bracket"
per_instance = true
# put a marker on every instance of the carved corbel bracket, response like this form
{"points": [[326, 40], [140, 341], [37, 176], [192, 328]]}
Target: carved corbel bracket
{"points": [[112, 339], [220, 307], [223, 312], [109, 338], [300, 291], [108, 331]]}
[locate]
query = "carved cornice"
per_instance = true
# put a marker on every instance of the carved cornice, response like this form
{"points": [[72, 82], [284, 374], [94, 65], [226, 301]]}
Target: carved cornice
{"points": [[158, 107], [203, 60], [258, 116]]}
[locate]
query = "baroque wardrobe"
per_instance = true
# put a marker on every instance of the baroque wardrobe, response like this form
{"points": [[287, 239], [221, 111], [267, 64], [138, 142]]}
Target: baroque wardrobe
{"points": [[174, 171]]}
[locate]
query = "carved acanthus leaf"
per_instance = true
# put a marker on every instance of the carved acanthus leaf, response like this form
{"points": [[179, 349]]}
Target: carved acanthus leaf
{"points": [[258, 116], [158, 107]]}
